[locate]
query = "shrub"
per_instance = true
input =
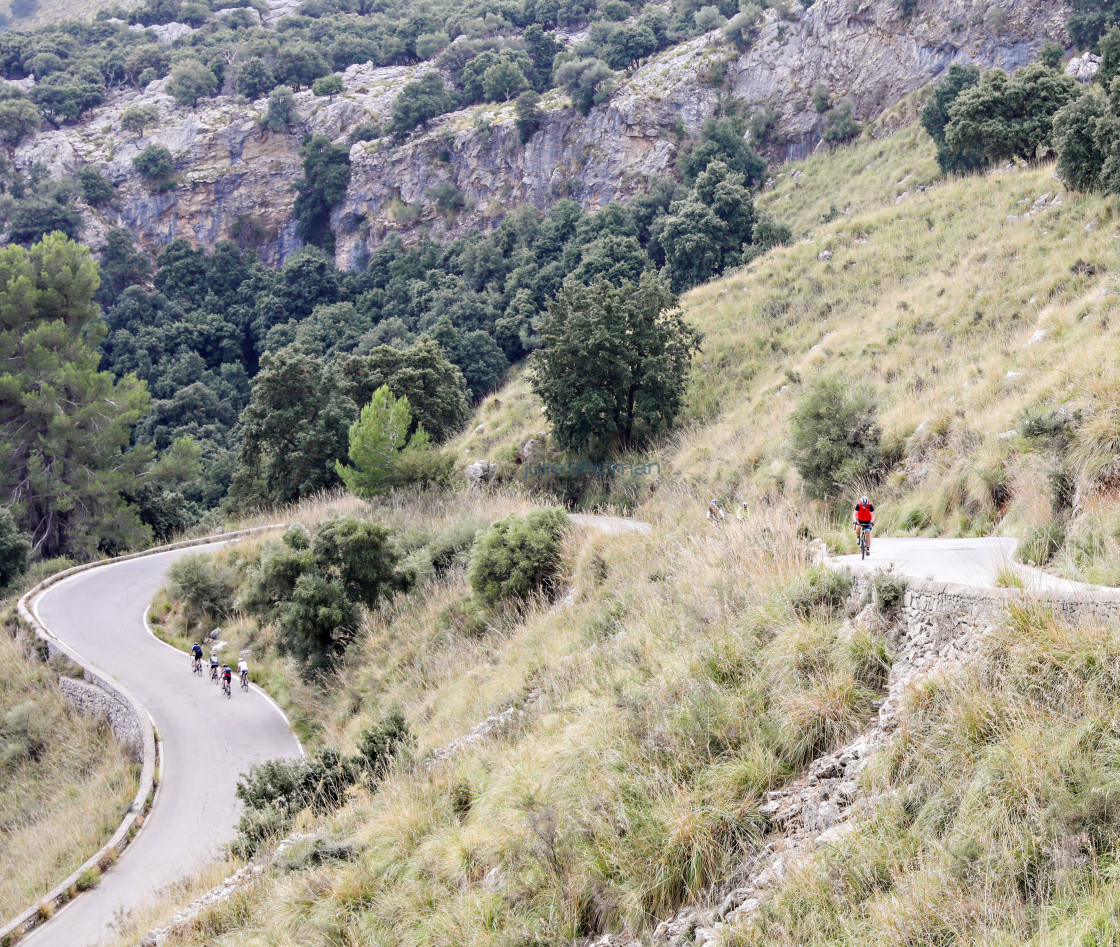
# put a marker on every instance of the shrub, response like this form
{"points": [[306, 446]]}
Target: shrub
{"points": [[87, 879], [418, 103], [281, 110], [529, 114], [1081, 151], [448, 198], [1040, 543], [15, 550], [518, 555], [136, 118], [822, 98], [935, 117], [255, 79], [823, 588], [890, 588], [327, 86], [841, 124], [96, 189], [587, 81], [18, 119], [366, 131], [204, 585], [191, 81], [835, 435], [326, 173], [156, 166], [274, 792]]}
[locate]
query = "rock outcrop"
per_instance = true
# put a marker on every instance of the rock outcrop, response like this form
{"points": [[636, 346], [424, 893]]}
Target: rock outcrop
{"points": [[230, 170]]}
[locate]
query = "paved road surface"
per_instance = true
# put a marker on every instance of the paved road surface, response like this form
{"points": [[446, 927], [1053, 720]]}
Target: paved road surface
{"points": [[208, 741], [973, 562]]}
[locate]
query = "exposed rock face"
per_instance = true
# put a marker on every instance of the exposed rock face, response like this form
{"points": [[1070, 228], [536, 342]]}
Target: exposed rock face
{"points": [[230, 169]]}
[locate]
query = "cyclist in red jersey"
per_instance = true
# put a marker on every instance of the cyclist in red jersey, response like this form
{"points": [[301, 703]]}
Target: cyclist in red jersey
{"points": [[864, 516]]}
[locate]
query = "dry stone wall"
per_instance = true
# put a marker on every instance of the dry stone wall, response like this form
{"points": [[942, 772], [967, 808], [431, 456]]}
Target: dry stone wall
{"points": [[938, 628], [98, 700]]}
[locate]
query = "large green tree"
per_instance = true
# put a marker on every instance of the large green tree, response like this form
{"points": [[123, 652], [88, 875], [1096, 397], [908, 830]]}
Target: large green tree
{"points": [[1082, 141], [419, 102], [706, 233], [377, 440], [435, 388], [1005, 116], [326, 173], [294, 430], [612, 365], [64, 425], [935, 116]]}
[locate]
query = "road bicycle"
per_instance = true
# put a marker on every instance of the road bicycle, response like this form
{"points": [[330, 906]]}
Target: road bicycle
{"points": [[865, 541], [226, 688], [214, 675], [244, 680], [197, 665]]}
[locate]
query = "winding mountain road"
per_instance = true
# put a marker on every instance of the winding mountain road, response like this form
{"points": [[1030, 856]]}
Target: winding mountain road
{"points": [[207, 740], [974, 562]]}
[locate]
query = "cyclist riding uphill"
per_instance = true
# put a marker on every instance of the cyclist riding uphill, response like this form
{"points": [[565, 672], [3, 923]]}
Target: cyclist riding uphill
{"points": [[196, 652], [864, 518]]}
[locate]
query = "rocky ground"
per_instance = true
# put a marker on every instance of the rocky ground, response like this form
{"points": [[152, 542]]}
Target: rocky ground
{"points": [[821, 806]]}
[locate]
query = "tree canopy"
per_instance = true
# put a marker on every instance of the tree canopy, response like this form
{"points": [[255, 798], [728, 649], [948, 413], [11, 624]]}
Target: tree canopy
{"points": [[613, 363], [65, 426]]}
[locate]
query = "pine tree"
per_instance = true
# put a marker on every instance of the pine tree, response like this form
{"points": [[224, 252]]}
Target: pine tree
{"points": [[64, 425], [377, 440]]}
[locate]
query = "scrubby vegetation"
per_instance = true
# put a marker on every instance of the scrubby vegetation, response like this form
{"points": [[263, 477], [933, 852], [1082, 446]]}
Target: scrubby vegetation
{"points": [[642, 759], [65, 782], [997, 823]]}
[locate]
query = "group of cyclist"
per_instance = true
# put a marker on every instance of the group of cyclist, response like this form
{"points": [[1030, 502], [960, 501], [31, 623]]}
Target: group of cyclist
{"points": [[863, 518], [219, 670]]}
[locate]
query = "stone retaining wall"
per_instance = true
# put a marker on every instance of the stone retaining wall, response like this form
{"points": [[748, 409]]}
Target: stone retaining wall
{"points": [[95, 700], [938, 627]]}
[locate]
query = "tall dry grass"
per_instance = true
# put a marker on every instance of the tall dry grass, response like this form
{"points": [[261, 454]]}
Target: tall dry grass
{"points": [[671, 686], [1000, 823], [65, 783]]}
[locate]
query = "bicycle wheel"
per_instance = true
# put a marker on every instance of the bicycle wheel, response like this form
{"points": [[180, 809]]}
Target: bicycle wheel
{"points": [[863, 545]]}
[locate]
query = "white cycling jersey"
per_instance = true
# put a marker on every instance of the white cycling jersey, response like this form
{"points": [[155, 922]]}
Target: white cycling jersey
{"points": [[242, 667]]}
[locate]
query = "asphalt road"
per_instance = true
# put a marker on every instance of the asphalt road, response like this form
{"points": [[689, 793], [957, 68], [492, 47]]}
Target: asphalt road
{"points": [[974, 562], [208, 740]]}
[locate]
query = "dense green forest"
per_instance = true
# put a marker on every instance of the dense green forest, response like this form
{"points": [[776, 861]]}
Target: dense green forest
{"points": [[489, 51], [243, 381]]}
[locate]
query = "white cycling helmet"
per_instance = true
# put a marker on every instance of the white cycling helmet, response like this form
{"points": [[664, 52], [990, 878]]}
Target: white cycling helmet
{"points": [[865, 500]]}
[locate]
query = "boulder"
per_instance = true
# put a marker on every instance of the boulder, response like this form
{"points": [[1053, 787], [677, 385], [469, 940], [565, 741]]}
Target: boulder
{"points": [[481, 471]]}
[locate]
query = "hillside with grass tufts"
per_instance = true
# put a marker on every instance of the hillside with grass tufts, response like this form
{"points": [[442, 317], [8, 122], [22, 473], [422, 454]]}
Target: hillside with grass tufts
{"points": [[981, 310], [583, 764]]}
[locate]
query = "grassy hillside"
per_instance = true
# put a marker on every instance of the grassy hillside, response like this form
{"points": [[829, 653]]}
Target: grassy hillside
{"points": [[682, 675], [984, 319], [65, 784]]}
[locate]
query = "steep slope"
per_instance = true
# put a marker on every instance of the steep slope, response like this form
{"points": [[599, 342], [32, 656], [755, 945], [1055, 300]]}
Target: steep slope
{"points": [[229, 168], [981, 310], [635, 728]]}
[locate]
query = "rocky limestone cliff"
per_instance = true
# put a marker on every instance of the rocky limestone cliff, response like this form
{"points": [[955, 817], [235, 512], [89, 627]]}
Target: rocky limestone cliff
{"points": [[861, 50]]}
